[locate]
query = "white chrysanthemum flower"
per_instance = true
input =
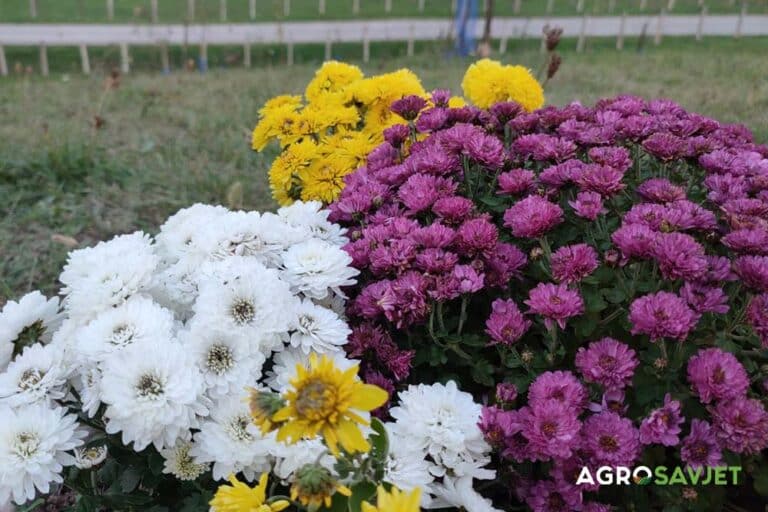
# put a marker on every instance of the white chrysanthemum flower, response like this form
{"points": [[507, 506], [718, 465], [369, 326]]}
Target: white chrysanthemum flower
{"points": [[154, 394], [179, 462], [241, 296], [405, 467], [285, 363], [36, 375], [311, 220], [335, 303], [228, 363], [175, 286], [178, 235], [318, 329], [458, 492], [232, 442], [34, 441], [34, 318], [86, 458], [88, 387], [316, 268], [289, 458], [442, 422], [138, 319], [98, 278], [250, 234]]}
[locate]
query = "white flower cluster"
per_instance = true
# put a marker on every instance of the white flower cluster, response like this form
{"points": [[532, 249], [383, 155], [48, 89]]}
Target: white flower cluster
{"points": [[158, 339], [438, 446]]}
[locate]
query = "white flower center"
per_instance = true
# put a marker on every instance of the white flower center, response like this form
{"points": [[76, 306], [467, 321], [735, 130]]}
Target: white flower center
{"points": [[149, 386], [237, 428], [122, 335], [243, 311], [26, 444], [306, 323], [219, 359], [30, 378]]}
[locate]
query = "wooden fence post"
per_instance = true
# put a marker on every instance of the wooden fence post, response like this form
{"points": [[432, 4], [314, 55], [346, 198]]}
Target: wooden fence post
{"points": [[247, 55], [165, 61], [328, 47], [580, 6], [320, 6], [453, 6], [125, 64], [643, 5], [611, 6], [622, 27], [387, 6], [581, 42], [84, 60], [503, 45], [366, 46], [516, 6], [671, 5], [411, 43], [700, 25], [355, 7], [223, 10], [659, 28], [203, 56], [33, 8], [190, 10], [740, 20], [550, 6], [110, 10], [155, 15], [289, 54], [252, 9], [3, 62], [286, 8], [543, 47], [43, 60]]}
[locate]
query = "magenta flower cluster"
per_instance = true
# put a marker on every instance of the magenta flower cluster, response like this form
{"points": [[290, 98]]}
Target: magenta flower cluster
{"points": [[597, 275]]}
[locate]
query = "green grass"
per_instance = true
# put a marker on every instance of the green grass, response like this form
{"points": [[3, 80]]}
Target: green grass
{"points": [[169, 141], [138, 11]]}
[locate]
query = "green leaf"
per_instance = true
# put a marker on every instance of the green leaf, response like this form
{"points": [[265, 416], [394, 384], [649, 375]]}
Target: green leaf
{"points": [[482, 372], [379, 441], [361, 492], [130, 479], [32, 506]]}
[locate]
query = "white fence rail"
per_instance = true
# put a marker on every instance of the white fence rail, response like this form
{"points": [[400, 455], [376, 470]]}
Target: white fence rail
{"points": [[363, 32]]}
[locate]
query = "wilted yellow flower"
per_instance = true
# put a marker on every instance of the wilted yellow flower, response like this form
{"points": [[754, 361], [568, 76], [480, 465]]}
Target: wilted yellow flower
{"points": [[239, 497], [394, 500], [314, 486], [264, 405], [487, 82], [331, 78], [324, 400]]}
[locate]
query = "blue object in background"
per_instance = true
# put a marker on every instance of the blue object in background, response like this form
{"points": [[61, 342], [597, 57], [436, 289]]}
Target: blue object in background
{"points": [[466, 18]]}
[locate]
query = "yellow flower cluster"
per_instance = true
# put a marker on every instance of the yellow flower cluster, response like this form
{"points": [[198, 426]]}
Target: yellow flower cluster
{"points": [[239, 497], [487, 82], [327, 134]]}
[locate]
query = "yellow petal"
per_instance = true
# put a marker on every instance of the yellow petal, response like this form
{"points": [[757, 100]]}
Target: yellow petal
{"points": [[351, 438], [368, 397], [279, 505]]}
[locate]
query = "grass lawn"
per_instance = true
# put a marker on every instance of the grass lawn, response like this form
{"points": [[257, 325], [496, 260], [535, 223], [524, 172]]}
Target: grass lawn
{"points": [[169, 141], [138, 11]]}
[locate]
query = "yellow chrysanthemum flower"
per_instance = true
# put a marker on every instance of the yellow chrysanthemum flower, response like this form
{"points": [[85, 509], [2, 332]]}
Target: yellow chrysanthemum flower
{"points": [[349, 147], [323, 180], [394, 501], [487, 82], [384, 89], [278, 102], [279, 123], [314, 486], [331, 78], [324, 400], [287, 168], [239, 497]]}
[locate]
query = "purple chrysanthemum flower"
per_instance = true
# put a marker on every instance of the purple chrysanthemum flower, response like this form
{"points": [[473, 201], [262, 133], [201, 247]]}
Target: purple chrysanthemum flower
{"points": [[496, 425], [610, 440], [397, 134], [572, 263], [660, 190], [477, 235], [662, 426], [408, 107], [616, 157], [420, 191], [434, 236], [662, 315], [503, 263], [607, 362], [506, 392], [435, 261], [753, 271], [705, 299], [757, 315], [716, 375], [561, 174], [516, 182], [506, 324], [561, 386], [543, 147], [665, 146], [468, 280], [602, 179], [453, 209], [634, 241], [724, 187], [741, 425], [700, 448], [752, 240], [551, 428], [588, 205], [441, 97], [485, 149], [551, 496], [718, 270], [532, 217], [432, 119], [679, 256], [555, 302]]}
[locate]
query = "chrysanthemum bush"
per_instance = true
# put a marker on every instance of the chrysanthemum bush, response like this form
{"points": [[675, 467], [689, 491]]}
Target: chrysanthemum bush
{"points": [[595, 276]]}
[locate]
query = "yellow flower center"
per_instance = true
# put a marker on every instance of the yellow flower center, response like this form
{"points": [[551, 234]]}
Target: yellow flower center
{"points": [[315, 400]]}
